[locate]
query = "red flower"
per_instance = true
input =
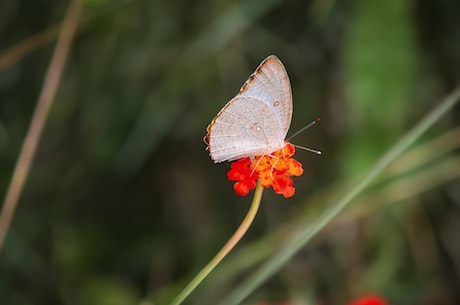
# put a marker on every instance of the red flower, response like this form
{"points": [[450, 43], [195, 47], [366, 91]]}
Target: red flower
{"points": [[241, 171], [271, 170], [370, 299]]}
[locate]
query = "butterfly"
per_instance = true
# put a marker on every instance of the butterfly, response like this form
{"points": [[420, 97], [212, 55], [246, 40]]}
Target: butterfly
{"points": [[256, 121]]}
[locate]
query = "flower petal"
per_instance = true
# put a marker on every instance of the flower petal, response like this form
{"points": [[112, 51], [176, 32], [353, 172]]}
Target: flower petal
{"points": [[272, 170]]}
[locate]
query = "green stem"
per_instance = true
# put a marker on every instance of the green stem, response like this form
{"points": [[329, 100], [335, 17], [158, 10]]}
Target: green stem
{"points": [[239, 233]]}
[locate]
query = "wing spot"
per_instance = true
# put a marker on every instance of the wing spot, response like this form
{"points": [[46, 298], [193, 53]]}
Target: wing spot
{"points": [[276, 103], [255, 126]]}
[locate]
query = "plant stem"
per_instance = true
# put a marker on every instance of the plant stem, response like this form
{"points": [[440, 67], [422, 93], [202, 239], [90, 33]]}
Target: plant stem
{"points": [[239, 233], [45, 101]]}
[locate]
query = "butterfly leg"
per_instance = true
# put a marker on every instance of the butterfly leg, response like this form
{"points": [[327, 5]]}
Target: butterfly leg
{"points": [[255, 166], [273, 165]]}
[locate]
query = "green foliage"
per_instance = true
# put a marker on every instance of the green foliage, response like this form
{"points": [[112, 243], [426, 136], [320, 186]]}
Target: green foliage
{"points": [[380, 67]]}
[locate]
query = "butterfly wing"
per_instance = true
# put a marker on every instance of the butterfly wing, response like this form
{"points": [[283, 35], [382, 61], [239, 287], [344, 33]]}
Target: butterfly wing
{"points": [[244, 127], [257, 120], [270, 83]]}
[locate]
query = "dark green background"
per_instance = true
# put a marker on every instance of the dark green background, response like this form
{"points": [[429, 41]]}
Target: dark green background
{"points": [[123, 204]]}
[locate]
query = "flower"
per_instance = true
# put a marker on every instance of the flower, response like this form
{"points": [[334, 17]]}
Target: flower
{"points": [[273, 170], [371, 299]]}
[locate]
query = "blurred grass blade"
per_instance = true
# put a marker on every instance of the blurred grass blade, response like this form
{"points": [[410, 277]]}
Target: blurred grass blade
{"points": [[304, 234], [39, 118]]}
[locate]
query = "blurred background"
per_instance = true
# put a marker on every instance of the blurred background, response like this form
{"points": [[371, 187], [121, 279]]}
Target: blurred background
{"points": [[123, 204]]}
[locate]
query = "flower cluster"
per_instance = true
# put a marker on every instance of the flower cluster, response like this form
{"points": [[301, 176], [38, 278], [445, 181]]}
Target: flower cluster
{"points": [[370, 299], [273, 170]]}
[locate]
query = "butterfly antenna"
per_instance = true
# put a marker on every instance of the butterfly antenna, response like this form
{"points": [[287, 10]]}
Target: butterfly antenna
{"points": [[303, 128], [315, 151]]}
